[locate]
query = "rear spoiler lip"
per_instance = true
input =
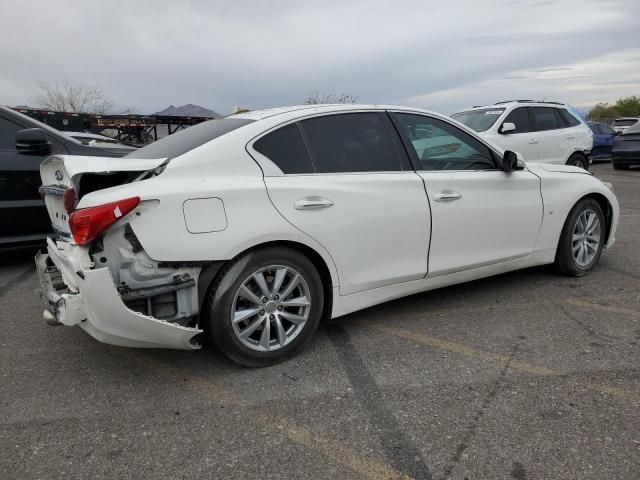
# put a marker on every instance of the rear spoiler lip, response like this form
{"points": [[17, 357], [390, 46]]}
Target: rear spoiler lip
{"points": [[78, 165]]}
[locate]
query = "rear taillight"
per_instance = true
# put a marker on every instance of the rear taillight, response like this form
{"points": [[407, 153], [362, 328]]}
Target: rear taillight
{"points": [[87, 224], [69, 200]]}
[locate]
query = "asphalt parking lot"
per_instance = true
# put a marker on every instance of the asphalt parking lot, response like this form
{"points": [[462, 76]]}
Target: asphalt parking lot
{"points": [[527, 375]]}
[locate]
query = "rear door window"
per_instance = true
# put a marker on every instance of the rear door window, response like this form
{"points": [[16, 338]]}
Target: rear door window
{"points": [[285, 147], [520, 118], [353, 142], [545, 118]]}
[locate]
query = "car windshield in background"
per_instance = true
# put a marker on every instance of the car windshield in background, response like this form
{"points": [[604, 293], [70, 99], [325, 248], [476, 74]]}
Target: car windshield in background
{"points": [[183, 141], [479, 120], [624, 123]]}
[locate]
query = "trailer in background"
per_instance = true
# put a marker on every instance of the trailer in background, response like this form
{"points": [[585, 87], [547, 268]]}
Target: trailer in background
{"points": [[132, 129]]}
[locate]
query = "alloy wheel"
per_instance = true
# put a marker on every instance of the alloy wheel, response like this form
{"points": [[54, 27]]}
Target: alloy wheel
{"points": [[270, 308], [586, 237]]}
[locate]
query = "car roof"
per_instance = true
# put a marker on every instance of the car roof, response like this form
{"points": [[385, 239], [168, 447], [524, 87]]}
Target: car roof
{"points": [[514, 103], [304, 110]]}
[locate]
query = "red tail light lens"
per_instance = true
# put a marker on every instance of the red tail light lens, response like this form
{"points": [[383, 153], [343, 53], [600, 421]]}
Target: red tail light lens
{"points": [[87, 224], [69, 200]]}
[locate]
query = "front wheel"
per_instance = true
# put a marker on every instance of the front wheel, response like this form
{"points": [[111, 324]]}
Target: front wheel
{"points": [[264, 306], [578, 160], [582, 239]]}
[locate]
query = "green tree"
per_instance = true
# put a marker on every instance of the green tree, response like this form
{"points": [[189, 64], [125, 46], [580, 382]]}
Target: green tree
{"points": [[629, 106], [624, 107]]}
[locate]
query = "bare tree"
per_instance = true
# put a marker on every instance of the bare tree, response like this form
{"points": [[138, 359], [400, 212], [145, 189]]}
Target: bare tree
{"points": [[72, 97], [315, 97]]}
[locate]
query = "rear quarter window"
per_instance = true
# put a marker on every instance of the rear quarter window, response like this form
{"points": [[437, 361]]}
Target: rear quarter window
{"points": [[569, 119], [285, 147]]}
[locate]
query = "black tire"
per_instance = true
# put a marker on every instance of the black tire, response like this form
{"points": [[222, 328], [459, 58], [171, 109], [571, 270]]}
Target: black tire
{"points": [[565, 261], [217, 321], [578, 160], [617, 166]]}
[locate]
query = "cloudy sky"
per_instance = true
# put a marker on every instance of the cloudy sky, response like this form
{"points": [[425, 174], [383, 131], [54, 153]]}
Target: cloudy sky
{"points": [[441, 55]]}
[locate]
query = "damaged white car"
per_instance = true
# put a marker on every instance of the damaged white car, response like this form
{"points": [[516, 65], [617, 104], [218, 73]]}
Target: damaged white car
{"points": [[251, 228]]}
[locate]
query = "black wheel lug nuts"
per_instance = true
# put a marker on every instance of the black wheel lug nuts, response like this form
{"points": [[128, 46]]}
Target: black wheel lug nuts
{"points": [[280, 307], [261, 312], [272, 316]]}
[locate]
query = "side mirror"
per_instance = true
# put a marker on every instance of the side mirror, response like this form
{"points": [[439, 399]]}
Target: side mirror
{"points": [[510, 162], [32, 140], [507, 127]]}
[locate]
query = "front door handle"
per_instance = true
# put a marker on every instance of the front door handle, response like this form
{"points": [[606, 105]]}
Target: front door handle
{"points": [[447, 196], [533, 141], [312, 203], [570, 137]]}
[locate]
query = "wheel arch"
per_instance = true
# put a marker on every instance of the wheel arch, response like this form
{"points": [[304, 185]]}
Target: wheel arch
{"points": [[578, 152], [604, 203], [212, 270]]}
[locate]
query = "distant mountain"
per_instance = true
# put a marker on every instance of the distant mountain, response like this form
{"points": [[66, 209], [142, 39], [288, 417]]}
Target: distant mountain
{"points": [[189, 110]]}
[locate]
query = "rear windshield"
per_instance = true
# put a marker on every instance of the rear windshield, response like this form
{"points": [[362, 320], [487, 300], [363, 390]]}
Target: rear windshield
{"points": [[479, 120], [624, 123], [185, 140]]}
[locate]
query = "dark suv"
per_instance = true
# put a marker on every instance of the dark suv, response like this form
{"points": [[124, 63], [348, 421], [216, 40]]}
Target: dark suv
{"points": [[24, 144]]}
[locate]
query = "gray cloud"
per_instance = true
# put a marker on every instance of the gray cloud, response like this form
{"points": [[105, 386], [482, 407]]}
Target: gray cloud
{"points": [[149, 54]]}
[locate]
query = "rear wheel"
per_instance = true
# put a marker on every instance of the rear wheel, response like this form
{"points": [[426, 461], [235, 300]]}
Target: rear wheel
{"points": [[617, 166], [264, 306], [578, 160], [582, 239]]}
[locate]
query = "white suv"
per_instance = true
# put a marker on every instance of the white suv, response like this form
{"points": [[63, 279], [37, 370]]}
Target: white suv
{"points": [[546, 132]]}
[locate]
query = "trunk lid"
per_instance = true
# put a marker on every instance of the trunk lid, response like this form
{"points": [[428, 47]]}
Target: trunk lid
{"points": [[62, 173]]}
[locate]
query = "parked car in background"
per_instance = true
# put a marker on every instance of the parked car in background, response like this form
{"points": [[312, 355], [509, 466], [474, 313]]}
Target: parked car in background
{"points": [[249, 229], [24, 144], [602, 140], [622, 123], [546, 132], [626, 148]]}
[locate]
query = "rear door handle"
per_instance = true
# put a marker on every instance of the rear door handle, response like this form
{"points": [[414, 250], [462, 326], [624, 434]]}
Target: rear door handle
{"points": [[570, 137], [447, 196], [312, 203], [533, 141]]}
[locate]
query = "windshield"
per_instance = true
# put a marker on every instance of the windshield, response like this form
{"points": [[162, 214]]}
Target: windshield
{"points": [[185, 140], [624, 123], [479, 120]]}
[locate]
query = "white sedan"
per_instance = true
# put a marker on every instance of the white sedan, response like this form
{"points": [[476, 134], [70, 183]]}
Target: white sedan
{"points": [[249, 230]]}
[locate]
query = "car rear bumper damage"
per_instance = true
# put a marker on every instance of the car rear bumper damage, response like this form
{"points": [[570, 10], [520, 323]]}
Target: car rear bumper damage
{"points": [[76, 295]]}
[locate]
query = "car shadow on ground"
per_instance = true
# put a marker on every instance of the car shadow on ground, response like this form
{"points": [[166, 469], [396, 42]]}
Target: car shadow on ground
{"points": [[507, 288]]}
